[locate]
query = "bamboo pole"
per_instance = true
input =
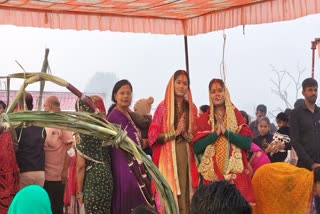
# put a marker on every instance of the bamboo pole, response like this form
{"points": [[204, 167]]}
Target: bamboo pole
{"points": [[44, 69]]}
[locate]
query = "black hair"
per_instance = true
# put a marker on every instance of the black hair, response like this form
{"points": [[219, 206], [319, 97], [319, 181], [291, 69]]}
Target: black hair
{"points": [[309, 82], [117, 86], [111, 108], [28, 100], [204, 108], [282, 116], [115, 89], [316, 174], [264, 119], [220, 81], [246, 116], [178, 73], [261, 108], [4, 106], [219, 197]]}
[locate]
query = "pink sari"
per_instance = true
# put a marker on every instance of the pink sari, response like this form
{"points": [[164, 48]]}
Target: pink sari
{"points": [[70, 200], [258, 158]]}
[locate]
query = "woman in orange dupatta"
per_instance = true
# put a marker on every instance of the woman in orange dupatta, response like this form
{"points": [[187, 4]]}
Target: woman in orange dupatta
{"points": [[282, 188], [222, 142], [171, 130]]}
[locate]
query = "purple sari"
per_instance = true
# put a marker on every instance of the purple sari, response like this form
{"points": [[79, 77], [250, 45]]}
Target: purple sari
{"points": [[126, 191]]}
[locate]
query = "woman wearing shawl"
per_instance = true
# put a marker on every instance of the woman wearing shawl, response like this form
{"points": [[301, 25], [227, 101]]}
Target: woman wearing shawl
{"points": [[127, 194], [282, 188], [31, 199], [94, 175], [222, 141], [9, 172], [169, 134]]}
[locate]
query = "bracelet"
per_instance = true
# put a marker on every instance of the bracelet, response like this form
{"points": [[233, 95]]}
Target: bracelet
{"points": [[79, 195], [169, 135], [189, 137]]}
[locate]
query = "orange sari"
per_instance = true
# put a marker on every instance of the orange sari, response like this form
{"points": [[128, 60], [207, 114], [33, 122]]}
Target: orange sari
{"points": [[165, 155]]}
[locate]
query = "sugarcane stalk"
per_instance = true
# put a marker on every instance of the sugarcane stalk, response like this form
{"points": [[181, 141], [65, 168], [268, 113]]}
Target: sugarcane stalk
{"points": [[142, 185], [34, 77], [90, 124], [73, 121], [145, 176]]}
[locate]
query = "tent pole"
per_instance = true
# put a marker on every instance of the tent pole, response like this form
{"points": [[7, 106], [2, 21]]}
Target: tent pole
{"points": [[313, 48], [186, 53]]}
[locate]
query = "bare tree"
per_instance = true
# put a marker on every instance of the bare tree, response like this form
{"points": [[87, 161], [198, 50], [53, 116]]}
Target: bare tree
{"points": [[285, 79]]}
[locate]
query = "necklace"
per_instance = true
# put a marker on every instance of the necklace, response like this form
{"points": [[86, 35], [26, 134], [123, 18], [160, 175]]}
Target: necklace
{"points": [[179, 108], [219, 116], [130, 121]]}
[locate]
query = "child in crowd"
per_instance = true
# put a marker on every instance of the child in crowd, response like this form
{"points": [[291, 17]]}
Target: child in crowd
{"points": [[264, 137], [282, 140], [282, 121], [256, 156]]}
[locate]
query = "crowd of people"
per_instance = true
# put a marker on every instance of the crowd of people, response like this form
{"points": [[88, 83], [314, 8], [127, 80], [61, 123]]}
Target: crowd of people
{"points": [[213, 158]]}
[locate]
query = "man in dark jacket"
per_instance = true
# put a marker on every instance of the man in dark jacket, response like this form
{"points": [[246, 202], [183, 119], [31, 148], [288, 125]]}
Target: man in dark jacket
{"points": [[305, 129]]}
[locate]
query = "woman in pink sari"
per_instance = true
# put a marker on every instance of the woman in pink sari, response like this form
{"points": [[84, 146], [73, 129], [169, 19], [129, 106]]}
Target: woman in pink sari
{"points": [[170, 132]]}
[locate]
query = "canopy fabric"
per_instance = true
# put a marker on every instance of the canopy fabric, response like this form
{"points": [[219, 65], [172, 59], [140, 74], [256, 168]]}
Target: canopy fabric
{"points": [[181, 17]]}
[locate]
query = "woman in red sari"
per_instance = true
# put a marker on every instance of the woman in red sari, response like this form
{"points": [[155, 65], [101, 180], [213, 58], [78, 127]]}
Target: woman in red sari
{"points": [[170, 132], [222, 142]]}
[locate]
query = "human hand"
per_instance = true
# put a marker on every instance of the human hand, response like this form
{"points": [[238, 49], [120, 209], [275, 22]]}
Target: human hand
{"points": [[64, 176], [181, 127], [218, 129], [271, 148], [184, 134], [280, 146], [80, 197], [145, 143], [223, 129], [315, 165]]}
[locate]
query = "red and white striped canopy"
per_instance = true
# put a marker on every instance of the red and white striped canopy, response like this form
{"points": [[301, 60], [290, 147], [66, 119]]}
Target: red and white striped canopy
{"points": [[182, 17]]}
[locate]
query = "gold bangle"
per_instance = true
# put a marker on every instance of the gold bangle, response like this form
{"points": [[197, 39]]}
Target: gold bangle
{"points": [[172, 135], [189, 137]]}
